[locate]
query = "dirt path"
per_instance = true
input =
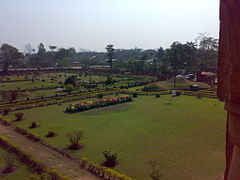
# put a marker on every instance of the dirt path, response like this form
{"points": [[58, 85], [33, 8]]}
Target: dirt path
{"points": [[49, 158]]}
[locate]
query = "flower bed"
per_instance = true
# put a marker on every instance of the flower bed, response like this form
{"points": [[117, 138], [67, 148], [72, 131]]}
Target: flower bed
{"points": [[96, 104]]}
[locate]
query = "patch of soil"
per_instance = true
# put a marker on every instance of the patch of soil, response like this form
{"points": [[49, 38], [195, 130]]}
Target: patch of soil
{"points": [[9, 170], [79, 146], [110, 164], [118, 107]]}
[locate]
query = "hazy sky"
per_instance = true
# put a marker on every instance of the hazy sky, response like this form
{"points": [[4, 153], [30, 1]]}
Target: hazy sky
{"points": [[92, 24]]}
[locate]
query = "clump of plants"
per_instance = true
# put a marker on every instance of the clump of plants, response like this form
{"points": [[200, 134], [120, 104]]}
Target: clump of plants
{"points": [[157, 95], [199, 96], [135, 95], [74, 139], [5, 112], [155, 174], [111, 158], [51, 134], [8, 160], [33, 125], [19, 116], [100, 96]]}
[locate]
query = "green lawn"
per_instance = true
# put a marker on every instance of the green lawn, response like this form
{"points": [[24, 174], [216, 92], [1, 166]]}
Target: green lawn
{"points": [[185, 137], [22, 173]]}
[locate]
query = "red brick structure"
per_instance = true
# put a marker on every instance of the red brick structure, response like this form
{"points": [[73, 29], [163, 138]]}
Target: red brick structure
{"points": [[229, 82]]}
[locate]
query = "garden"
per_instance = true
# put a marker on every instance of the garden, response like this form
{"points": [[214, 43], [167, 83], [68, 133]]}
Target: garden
{"points": [[178, 135]]}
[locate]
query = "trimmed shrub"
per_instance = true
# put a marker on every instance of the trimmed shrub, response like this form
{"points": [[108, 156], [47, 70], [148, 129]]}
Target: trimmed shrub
{"points": [[5, 112], [111, 158], [157, 95], [19, 116], [135, 95], [100, 95], [51, 134], [33, 125]]}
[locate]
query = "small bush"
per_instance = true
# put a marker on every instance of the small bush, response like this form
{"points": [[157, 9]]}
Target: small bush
{"points": [[8, 160], [199, 96], [100, 95], [155, 175], [33, 125], [178, 93], [157, 95], [135, 95], [111, 158], [74, 139], [19, 116], [5, 112], [51, 134]]}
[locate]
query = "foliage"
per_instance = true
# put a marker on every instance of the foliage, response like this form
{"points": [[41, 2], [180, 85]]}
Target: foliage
{"points": [[70, 80], [51, 134], [74, 139], [83, 106], [69, 88], [110, 156], [135, 95], [5, 112], [19, 116], [110, 52], [109, 79], [9, 55], [100, 96], [155, 175], [157, 95], [33, 125], [8, 160]]}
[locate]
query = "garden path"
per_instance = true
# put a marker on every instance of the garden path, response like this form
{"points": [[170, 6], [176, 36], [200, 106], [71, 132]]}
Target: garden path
{"points": [[46, 156]]}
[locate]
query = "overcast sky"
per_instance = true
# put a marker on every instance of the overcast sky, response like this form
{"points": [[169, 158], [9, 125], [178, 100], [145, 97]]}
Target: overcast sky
{"points": [[92, 24]]}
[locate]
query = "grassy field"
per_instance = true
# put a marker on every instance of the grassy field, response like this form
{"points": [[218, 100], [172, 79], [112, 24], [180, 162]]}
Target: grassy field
{"points": [[22, 173], [181, 83], [185, 137]]}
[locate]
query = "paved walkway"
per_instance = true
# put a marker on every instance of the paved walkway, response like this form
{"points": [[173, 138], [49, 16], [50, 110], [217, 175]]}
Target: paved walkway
{"points": [[49, 158]]}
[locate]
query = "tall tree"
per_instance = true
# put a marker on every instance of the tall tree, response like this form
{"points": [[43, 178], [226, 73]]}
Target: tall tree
{"points": [[110, 53], [9, 55], [52, 47], [41, 55], [28, 49]]}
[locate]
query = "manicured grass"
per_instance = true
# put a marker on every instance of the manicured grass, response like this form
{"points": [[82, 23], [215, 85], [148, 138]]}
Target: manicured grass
{"points": [[185, 137], [180, 83], [22, 173]]}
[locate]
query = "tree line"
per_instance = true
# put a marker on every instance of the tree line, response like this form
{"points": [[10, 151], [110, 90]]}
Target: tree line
{"points": [[200, 54]]}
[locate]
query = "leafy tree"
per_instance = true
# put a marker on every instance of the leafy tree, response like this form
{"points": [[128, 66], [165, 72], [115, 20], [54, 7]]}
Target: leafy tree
{"points": [[28, 49], [9, 55], [70, 80], [109, 79], [52, 47], [65, 62], [69, 88], [110, 53]]}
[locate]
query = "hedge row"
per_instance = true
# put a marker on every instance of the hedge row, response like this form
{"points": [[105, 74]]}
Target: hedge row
{"points": [[21, 106], [27, 159], [100, 171], [33, 101], [184, 92]]}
